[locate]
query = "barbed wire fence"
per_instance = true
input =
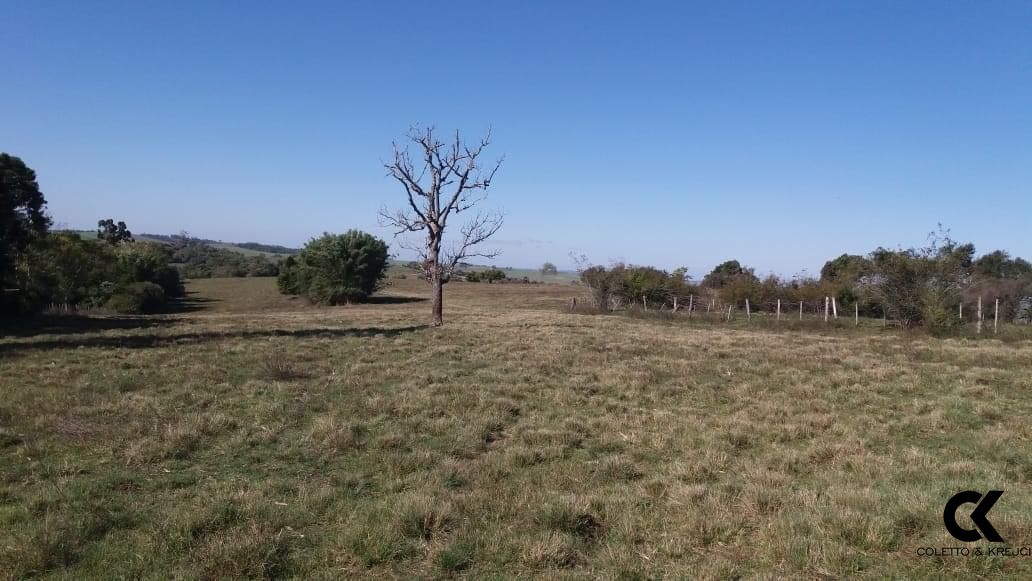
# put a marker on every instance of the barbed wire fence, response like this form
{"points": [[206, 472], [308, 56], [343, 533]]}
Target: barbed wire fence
{"points": [[983, 314]]}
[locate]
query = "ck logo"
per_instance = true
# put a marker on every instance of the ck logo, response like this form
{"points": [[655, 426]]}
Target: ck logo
{"points": [[983, 504]]}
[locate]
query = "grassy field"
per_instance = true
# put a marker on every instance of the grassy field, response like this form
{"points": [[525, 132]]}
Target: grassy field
{"points": [[561, 277], [254, 435]]}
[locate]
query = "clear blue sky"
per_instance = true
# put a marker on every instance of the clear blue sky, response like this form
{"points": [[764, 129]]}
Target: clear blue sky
{"points": [[777, 133]]}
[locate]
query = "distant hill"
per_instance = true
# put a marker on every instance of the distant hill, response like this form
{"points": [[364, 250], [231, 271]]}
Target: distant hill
{"points": [[247, 248]]}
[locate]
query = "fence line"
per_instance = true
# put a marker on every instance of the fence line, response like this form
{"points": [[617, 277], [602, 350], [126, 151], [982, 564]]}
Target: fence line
{"points": [[828, 311]]}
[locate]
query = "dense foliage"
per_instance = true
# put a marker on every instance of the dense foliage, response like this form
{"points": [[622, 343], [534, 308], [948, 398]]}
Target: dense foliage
{"points": [[336, 268], [40, 269], [23, 217], [66, 270]]}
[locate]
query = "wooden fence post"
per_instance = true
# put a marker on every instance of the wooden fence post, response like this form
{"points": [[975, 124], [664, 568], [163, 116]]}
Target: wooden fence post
{"points": [[675, 303], [748, 313], [729, 307], [800, 310], [826, 302], [691, 305], [644, 303], [978, 324], [962, 311], [856, 307], [996, 317], [779, 309], [834, 307]]}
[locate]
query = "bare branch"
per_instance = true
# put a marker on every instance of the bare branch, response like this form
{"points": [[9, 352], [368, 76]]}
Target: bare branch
{"points": [[478, 230], [401, 221]]}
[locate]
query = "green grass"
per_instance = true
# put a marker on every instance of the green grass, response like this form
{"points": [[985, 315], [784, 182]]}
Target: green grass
{"points": [[257, 436]]}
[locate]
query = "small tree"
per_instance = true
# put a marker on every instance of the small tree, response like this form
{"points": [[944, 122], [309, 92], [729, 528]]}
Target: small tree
{"points": [[449, 180], [336, 268], [549, 269], [112, 233]]}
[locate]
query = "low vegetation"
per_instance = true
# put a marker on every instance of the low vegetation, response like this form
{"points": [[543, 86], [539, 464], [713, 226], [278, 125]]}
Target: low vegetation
{"points": [[929, 288]]}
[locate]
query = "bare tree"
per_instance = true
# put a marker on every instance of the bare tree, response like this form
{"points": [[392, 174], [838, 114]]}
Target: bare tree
{"points": [[444, 180]]}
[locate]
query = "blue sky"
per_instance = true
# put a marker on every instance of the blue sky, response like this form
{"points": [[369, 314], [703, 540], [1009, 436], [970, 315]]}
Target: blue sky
{"points": [[777, 133]]}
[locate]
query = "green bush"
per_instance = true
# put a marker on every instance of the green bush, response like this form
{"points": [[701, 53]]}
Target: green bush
{"points": [[64, 269], [137, 298], [67, 270], [149, 262], [336, 268], [492, 275]]}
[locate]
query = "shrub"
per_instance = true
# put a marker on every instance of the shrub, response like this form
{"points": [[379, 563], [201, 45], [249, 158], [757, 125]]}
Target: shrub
{"points": [[137, 298], [336, 268], [149, 262], [492, 275], [65, 269]]}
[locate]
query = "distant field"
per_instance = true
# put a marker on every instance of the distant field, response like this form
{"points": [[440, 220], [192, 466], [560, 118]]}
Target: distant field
{"points": [[253, 435], [562, 277], [248, 251]]}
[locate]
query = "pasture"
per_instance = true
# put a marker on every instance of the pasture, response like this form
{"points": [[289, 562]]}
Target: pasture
{"points": [[250, 434]]}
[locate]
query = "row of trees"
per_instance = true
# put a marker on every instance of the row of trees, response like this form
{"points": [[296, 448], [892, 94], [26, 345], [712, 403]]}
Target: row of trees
{"points": [[915, 287]]}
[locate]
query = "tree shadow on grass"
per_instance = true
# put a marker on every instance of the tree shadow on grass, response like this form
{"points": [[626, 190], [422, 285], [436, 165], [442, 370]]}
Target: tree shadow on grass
{"points": [[144, 341], [189, 303], [386, 300], [27, 326]]}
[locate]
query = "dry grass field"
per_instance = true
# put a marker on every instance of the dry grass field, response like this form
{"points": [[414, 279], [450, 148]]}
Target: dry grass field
{"points": [[251, 435]]}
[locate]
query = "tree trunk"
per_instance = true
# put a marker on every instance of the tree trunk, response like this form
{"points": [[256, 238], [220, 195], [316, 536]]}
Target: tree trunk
{"points": [[436, 281], [437, 302]]}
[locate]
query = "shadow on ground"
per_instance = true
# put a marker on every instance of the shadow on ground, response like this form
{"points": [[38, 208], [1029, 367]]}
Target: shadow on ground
{"points": [[68, 324], [144, 341], [189, 303], [382, 300]]}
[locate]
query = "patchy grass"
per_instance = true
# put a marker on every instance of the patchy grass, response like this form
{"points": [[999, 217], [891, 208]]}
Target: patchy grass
{"points": [[256, 436]]}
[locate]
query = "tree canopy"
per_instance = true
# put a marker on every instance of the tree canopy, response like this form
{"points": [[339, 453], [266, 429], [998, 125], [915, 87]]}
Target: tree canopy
{"points": [[112, 233], [23, 215]]}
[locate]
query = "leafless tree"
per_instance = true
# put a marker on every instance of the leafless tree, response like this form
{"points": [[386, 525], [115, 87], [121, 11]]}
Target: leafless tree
{"points": [[442, 180]]}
